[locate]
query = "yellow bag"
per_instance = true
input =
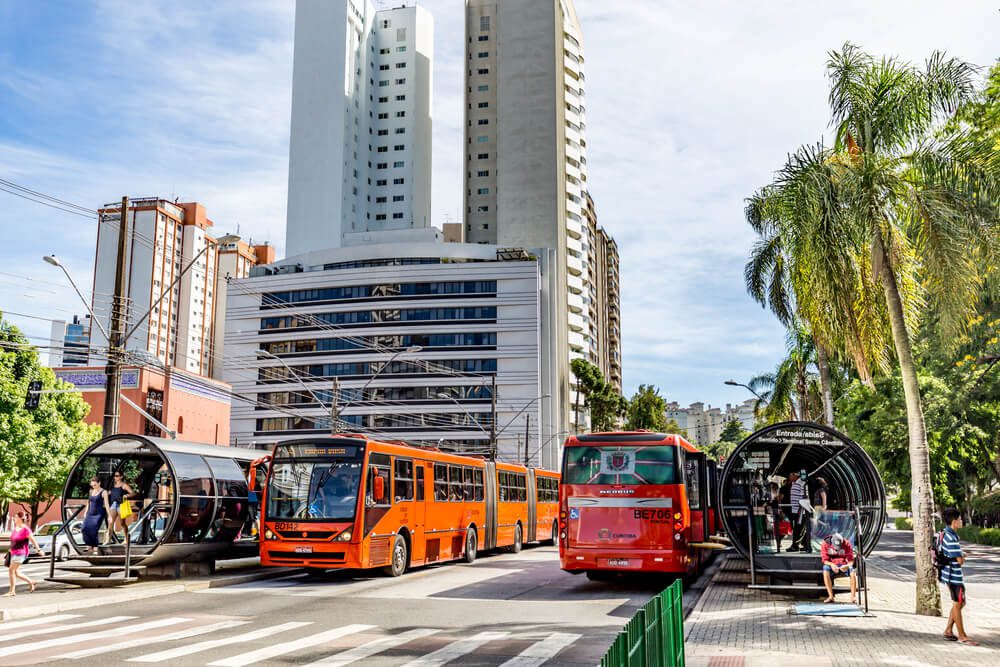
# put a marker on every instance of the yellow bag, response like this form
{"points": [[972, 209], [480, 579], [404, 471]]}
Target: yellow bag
{"points": [[125, 510]]}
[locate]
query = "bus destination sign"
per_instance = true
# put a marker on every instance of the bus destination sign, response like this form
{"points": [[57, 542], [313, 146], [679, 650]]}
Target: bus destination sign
{"points": [[313, 450]]}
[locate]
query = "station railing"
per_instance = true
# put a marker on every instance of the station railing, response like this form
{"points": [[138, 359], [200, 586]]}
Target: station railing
{"points": [[654, 636]]}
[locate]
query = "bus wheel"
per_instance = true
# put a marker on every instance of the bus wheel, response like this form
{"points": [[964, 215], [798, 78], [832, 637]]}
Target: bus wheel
{"points": [[471, 545], [518, 540], [555, 533], [399, 558]]}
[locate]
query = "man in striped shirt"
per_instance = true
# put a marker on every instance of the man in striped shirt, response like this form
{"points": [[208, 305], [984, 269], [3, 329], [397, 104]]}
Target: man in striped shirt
{"points": [[951, 574], [803, 523]]}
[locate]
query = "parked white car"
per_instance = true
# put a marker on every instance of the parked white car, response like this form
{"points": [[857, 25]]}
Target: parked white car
{"points": [[64, 550]]}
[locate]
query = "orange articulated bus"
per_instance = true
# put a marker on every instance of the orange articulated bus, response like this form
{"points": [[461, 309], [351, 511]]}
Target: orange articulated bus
{"points": [[350, 502]]}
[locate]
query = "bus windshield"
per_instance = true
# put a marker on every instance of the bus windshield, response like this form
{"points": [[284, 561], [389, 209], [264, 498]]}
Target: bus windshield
{"points": [[304, 486], [614, 464]]}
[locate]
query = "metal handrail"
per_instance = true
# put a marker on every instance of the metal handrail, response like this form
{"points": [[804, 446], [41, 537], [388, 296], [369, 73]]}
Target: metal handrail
{"points": [[52, 554]]}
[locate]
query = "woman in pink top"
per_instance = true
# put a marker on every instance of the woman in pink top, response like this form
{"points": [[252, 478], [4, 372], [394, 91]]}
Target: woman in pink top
{"points": [[19, 550]]}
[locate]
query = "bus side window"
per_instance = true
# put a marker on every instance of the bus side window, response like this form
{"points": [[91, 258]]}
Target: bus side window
{"points": [[420, 481], [467, 485], [479, 484], [522, 488], [440, 482], [502, 485], [404, 480], [454, 483]]}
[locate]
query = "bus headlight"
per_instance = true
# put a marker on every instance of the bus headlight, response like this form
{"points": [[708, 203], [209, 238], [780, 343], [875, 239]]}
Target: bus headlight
{"points": [[268, 535], [344, 536]]}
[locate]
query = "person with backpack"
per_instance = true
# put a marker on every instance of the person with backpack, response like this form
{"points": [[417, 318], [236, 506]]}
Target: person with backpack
{"points": [[950, 559]]}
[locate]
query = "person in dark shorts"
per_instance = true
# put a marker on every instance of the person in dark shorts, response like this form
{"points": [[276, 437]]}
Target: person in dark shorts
{"points": [[951, 575]]}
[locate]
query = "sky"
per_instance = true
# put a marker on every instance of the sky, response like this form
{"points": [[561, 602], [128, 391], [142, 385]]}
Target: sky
{"points": [[690, 108]]}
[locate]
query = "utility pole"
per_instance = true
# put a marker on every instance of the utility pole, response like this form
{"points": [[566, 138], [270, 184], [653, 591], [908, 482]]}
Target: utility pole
{"points": [[527, 423], [493, 421], [113, 368], [335, 408]]}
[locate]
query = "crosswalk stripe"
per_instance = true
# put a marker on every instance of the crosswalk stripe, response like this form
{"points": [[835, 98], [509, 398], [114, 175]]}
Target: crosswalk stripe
{"points": [[89, 636], [457, 649], [542, 650], [174, 636], [213, 643], [41, 620], [60, 628], [287, 647], [372, 647]]}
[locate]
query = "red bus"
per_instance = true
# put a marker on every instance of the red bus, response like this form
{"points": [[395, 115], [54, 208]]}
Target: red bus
{"points": [[349, 502], [633, 501]]}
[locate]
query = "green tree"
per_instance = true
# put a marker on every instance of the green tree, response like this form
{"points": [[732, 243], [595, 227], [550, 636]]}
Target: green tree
{"points": [[37, 447], [647, 410], [731, 435], [923, 211], [790, 392], [605, 404]]}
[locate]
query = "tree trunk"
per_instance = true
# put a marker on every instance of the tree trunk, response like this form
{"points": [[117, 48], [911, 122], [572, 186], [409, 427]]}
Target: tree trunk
{"points": [[802, 388], [928, 595], [825, 383]]}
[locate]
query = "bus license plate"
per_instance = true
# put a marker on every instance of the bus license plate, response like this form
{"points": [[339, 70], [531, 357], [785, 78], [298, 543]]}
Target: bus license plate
{"points": [[303, 550], [618, 562]]}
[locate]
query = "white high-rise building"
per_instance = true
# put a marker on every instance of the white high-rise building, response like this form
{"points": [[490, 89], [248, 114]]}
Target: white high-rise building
{"points": [[526, 156], [360, 150]]}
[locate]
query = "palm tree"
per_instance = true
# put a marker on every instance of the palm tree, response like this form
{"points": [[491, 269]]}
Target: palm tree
{"points": [[891, 208], [791, 391]]}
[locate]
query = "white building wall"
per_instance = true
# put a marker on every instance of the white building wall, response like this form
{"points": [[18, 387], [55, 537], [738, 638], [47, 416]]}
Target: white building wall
{"points": [[361, 95]]}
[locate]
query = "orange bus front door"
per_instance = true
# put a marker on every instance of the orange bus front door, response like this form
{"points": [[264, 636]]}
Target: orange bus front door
{"points": [[418, 516]]}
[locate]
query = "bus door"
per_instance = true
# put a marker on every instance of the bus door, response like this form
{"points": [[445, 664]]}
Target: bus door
{"points": [[695, 468], [532, 507], [409, 493], [490, 525]]}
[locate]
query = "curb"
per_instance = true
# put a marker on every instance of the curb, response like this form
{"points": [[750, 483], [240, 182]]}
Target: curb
{"points": [[130, 595]]}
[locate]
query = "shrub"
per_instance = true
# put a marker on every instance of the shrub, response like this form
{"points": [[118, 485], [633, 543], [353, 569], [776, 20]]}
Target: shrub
{"points": [[977, 535], [904, 523]]}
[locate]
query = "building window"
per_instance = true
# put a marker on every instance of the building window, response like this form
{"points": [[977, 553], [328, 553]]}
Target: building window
{"points": [[400, 114], [482, 209], [383, 99], [398, 198], [380, 181], [386, 24], [484, 70], [382, 68], [484, 38], [383, 51], [483, 121], [380, 200], [382, 165], [484, 23], [383, 116], [486, 225], [482, 139], [482, 88], [382, 149], [400, 65], [400, 98], [383, 84], [397, 165], [399, 147], [397, 216], [398, 181], [483, 191], [400, 130], [380, 216], [484, 105], [400, 49], [383, 133], [400, 34], [484, 54], [483, 156], [400, 82], [483, 172]]}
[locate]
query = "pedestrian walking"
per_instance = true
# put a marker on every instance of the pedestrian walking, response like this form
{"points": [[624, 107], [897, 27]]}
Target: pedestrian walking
{"points": [[951, 559], [20, 538], [118, 494], [98, 511]]}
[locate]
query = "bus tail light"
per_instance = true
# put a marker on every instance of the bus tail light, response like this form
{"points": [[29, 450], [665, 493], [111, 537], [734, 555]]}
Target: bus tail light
{"points": [[344, 536], [678, 526]]}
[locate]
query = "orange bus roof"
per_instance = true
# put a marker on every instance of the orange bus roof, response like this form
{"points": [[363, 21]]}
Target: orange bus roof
{"points": [[629, 437]]}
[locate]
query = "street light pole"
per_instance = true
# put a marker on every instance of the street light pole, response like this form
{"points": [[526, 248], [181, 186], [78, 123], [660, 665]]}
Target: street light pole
{"points": [[734, 383]]}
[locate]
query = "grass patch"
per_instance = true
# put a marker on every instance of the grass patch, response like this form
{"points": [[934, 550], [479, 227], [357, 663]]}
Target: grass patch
{"points": [[904, 523]]}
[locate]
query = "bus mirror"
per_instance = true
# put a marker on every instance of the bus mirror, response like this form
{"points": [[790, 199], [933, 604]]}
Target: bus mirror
{"points": [[378, 488]]}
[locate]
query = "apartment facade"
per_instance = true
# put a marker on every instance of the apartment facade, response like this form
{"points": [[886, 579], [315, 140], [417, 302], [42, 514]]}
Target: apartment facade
{"points": [[360, 146], [185, 313], [439, 344], [526, 157], [704, 423], [70, 341]]}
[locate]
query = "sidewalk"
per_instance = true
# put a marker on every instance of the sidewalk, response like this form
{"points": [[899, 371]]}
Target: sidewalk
{"points": [[733, 626], [53, 598]]}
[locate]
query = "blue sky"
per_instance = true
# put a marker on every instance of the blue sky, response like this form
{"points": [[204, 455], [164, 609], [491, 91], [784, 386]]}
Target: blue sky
{"points": [[690, 108]]}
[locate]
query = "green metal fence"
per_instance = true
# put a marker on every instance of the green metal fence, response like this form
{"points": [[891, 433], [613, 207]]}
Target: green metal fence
{"points": [[654, 637]]}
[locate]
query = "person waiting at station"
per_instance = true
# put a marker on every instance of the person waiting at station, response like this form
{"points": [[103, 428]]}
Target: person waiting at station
{"points": [[838, 559], [802, 511]]}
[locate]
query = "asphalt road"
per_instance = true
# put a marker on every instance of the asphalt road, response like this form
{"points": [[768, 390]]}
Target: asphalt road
{"points": [[506, 609]]}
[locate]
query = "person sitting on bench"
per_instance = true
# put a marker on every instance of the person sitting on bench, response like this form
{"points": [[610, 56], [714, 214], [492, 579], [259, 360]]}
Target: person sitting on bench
{"points": [[838, 559]]}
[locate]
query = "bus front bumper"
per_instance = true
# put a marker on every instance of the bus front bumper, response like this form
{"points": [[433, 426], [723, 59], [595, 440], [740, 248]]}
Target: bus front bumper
{"points": [[622, 560]]}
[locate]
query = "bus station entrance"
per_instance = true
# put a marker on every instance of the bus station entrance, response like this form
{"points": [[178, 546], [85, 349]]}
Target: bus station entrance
{"points": [[189, 504], [761, 492]]}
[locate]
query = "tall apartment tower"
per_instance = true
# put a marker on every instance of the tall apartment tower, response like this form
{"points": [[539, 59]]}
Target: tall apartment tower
{"points": [[163, 238], [525, 150], [360, 148]]}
